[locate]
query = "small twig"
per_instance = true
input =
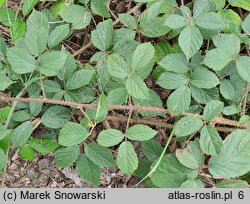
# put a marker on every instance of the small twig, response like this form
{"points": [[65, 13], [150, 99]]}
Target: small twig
{"points": [[129, 114]]}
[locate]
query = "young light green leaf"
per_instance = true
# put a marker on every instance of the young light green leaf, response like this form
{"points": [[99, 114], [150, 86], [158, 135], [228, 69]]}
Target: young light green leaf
{"points": [[72, 134], [136, 87], [2, 159], [58, 34], [127, 160], [210, 140], [88, 170], [17, 29], [234, 158], [77, 15], [151, 149], [65, 157], [173, 172], [102, 35], [175, 63], [99, 155], [242, 65], [50, 63], [22, 133], [110, 137], [210, 20], [245, 4], [43, 146], [27, 153], [188, 125], [3, 131], [140, 133], [190, 40], [143, 55], [56, 116], [179, 101], [79, 79], [176, 21], [128, 20], [117, 66], [20, 60], [203, 78], [212, 109], [102, 109], [191, 156], [28, 5]]}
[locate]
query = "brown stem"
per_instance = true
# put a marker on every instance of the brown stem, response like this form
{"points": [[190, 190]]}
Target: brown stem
{"points": [[85, 47], [217, 120]]}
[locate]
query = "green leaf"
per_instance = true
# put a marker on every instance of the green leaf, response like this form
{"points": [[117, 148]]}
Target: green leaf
{"points": [[34, 91], [3, 131], [110, 137], [245, 4], [128, 20], [151, 149], [191, 156], [20, 60], [77, 15], [203, 78], [217, 59], [22, 133], [2, 160], [192, 183], [210, 140], [99, 155], [79, 79], [173, 172], [127, 160], [242, 65], [51, 62], [88, 170], [136, 87], [170, 80], [65, 157], [143, 54], [17, 29], [4, 112], [22, 115], [37, 33], [117, 96], [232, 21], [117, 66], [232, 184], [201, 6], [175, 63], [188, 125], [190, 40], [143, 169], [102, 109], [227, 89], [7, 16], [58, 34], [176, 21], [203, 96], [43, 146], [209, 20], [102, 35], [246, 25], [100, 7], [72, 134], [27, 152], [28, 5], [179, 101], [56, 116], [212, 109], [5, 81], [140, 133], [234, 158]]}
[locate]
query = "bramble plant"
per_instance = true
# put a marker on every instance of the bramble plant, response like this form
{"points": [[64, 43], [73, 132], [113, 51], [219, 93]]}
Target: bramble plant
{"points": [[162, 90]]}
